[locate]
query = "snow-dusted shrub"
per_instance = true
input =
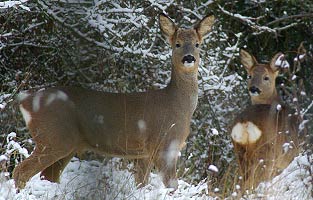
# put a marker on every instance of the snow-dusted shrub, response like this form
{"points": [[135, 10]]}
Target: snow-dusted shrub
{"points": [[117, 46]]}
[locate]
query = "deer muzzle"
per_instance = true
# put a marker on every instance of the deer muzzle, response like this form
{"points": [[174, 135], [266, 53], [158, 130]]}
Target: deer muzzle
{"points": [[189, 60], [254, 91]]}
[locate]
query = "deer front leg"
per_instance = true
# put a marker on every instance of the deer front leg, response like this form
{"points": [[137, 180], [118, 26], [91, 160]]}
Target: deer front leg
{"points": [[142, 171], [166, 163]]}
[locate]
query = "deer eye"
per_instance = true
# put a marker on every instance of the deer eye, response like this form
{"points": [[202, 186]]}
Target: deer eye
{"points": [[266, 78], [249, 77], [197, 45], [177, 45]]}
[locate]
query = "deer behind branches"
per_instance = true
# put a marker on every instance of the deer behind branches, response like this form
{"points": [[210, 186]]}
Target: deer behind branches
{"points": [[265, 135]]}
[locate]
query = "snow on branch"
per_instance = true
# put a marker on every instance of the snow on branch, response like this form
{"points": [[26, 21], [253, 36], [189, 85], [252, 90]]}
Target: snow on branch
{"points": [[71, 27], [14, 4], [304, 15], [258, 28]]}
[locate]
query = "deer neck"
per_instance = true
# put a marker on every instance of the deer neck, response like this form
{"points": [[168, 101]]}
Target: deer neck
{"points": [[184, 88], [265, 100], [184, 81]]}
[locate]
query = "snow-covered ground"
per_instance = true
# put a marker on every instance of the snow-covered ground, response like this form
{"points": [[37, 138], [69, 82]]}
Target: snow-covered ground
{"points": [[94, 180]]}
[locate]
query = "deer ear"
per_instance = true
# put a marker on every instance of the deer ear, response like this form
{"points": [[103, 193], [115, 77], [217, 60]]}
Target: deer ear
{"points": [[278, 61], [167, 26], [247, 60], [205, 25]]}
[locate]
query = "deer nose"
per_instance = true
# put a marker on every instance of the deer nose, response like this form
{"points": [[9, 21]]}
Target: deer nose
{"points": [[254, 90], [188, 59]]}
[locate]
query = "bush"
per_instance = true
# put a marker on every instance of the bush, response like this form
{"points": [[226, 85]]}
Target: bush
{"points": [[117, 46]]}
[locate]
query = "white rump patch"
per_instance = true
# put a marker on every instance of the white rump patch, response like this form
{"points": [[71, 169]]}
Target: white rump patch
{"points": [[26, 115], [59, 95], [187, 64], [246, 133]]}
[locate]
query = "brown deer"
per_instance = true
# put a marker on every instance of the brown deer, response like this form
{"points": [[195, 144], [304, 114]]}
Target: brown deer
{"points": [[264, 135], [150, 127]]}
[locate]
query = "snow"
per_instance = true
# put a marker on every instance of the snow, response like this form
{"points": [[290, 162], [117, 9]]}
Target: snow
{"points": [[96, 180], [9, 4], [281, 62], [3, 158], [213, 168], [278, 107], [15, 146], [2, 106], [286, 147], [299, 57], [142, 125], [172, 152], [214, 131], [293, 183]]}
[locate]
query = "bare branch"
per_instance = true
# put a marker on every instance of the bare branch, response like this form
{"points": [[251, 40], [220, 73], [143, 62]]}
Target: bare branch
{"points": [[309, 15], [261, 29], [248, 21]]}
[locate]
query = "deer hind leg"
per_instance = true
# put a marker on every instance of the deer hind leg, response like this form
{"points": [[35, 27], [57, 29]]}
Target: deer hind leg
{"points": [[40, 159], [53, 172], [143, 168]]}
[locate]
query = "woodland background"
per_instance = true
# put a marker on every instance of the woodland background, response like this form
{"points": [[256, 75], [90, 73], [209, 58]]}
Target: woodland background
{"points": [[117, 46]]}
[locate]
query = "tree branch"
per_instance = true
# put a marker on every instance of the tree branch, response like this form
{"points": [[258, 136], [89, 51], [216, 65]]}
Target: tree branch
{"points": [[261, 29], [74, 30], [309, 15]]}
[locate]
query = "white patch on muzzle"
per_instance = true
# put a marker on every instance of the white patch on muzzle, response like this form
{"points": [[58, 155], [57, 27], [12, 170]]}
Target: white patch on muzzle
{"points": [[246, 133], [254, 94], [187, 64]]}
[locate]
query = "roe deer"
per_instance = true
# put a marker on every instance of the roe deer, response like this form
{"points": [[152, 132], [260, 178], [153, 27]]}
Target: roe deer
{"points": [[264, 135], [150, 127]]}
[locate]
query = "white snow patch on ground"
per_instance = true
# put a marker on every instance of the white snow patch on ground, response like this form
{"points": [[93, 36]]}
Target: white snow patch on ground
{"points": [[294, 183], [94, 180]]}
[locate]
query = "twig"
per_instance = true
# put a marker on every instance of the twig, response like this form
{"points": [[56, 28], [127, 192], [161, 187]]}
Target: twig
{"points": [[258, 28], [290, 17]]}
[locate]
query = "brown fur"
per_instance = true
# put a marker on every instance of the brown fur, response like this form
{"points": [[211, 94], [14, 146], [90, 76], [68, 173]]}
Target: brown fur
{"points": [[276, 125], [150, 127]]}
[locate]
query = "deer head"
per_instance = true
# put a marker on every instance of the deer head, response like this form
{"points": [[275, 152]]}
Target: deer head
{"points": [[185, 42], [262, 77]]}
